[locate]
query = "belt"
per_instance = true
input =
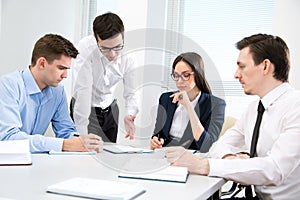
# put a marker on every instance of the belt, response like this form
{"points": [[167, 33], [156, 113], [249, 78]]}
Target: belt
{"points": [[104, 110], [107, 109]]}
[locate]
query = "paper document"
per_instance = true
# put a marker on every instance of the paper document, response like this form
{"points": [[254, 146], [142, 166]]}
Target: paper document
{"points": [[72, 153], [119, 148], [192, 151], [170, 173], [15, 152], [96, 188]]}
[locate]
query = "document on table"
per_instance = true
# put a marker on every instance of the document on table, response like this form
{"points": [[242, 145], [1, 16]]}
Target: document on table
{"points": [[119, 149], [170, 174], [72, 153], [96, 188], [15, 152]]}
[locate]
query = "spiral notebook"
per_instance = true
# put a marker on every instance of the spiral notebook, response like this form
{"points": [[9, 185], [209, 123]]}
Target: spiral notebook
{"points": [[96, 189]]}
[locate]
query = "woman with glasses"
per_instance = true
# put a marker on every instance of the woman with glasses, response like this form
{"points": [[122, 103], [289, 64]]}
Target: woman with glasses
{"points": [[190, 117], [99, 67]]}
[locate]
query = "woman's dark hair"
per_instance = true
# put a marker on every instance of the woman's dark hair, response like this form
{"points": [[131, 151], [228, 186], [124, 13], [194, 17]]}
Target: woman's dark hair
{"points": [[195, 61], [107, 26], [263, 46]]}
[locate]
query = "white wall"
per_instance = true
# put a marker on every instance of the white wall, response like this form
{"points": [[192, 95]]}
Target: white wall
{"points": [[23, 22], [287, 14], [0, 16]]}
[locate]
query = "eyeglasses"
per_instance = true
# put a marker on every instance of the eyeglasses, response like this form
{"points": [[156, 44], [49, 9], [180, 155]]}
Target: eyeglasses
{"points": [[107, 49], [185, 76]]}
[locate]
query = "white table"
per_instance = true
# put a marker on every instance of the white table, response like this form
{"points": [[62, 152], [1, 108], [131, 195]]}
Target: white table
{"points": [[30, 182]]}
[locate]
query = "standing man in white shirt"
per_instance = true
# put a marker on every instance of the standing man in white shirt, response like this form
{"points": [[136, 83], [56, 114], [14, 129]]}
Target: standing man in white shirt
{"points": [[263, 69], [100, 66]]}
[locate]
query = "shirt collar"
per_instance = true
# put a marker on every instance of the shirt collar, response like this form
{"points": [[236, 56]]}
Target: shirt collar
{"points": [[33, 88], [29, 81], [274, 94], [195, 101]]}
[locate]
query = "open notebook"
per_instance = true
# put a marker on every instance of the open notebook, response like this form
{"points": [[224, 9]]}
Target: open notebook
{"points": [[170, 174], [15, 152], [96, 189]]}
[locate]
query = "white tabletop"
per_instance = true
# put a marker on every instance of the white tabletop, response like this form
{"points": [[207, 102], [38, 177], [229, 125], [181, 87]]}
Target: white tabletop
{"points": [[30, 182]]}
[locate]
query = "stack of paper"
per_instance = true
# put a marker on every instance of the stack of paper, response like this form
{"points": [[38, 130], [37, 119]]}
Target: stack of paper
{"points": [[95, 188], [170, 173], [15, 152], [119, 149]]}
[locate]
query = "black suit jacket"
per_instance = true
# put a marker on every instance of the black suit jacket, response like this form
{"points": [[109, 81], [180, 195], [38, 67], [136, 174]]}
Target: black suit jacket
{"points": [[210, 110]]}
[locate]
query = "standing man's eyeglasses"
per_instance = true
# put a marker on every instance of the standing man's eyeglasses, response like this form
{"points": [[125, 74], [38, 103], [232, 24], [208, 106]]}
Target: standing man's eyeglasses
{"points": [[107, 49], [185, 76]]}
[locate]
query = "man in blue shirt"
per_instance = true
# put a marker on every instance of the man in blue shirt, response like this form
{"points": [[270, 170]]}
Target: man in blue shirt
{"points": [[32, 98]]}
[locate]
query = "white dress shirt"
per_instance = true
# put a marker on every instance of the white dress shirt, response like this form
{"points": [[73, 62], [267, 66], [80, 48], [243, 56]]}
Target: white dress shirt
{"points": [[96, 79], [276, 170], [181, 119]]}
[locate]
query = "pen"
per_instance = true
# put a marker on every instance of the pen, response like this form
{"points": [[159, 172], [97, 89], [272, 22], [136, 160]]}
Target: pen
{"points": [[158, 138], [76, 135]]}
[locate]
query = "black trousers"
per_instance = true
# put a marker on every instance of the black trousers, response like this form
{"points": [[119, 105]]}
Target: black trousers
{"points": [[102, 122]]}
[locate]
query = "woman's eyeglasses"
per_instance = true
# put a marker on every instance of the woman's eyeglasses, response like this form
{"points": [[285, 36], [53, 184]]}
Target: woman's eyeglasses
{"points": [[185, 76]]}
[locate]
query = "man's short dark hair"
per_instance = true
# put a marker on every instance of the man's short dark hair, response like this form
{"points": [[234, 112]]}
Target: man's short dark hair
{"points": [[52, 47], [263, 46], [107, 26]]}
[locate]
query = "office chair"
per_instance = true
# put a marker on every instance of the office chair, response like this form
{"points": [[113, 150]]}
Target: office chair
{"points": [[231, 190], [229, 121]]}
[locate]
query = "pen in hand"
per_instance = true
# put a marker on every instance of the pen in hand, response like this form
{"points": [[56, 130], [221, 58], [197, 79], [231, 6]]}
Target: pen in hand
{"points": [[89, 142], [157, 142]]}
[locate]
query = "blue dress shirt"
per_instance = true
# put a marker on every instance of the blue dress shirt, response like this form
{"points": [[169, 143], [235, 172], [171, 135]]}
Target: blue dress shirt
{"points": [[26, 112]]}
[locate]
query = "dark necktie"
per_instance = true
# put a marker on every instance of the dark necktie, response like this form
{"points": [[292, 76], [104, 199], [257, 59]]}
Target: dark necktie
{"points": [[260, 112]]}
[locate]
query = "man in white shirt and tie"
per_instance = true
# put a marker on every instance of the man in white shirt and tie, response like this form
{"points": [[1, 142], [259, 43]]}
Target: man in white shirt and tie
{"points": [[99, 67], [274, 170]]}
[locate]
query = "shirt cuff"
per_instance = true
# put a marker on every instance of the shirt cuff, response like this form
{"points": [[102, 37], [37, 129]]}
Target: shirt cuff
{"points": [[216, 154], [215, 167], [54, 144]]}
